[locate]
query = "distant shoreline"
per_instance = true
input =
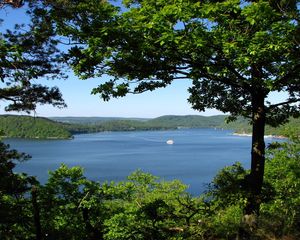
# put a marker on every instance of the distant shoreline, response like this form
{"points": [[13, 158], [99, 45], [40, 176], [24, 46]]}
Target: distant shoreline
{"points": [[14, 126], [37, 138], [266, 136]]}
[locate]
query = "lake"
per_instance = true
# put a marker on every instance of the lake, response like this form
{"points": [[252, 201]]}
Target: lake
{"points": [[194, 158]]}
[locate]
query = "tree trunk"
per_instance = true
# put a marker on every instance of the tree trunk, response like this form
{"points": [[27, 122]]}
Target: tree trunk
{"points": [[93, 233], [255, 180], [257, 154], [36, 214]]}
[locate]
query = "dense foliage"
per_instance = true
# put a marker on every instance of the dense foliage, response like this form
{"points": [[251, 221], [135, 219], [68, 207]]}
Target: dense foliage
{"points": [[29, 127], [15, 211], [69, 206]]}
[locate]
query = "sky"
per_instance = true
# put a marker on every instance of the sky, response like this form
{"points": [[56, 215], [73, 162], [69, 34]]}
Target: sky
{"points": [[76, 93]]}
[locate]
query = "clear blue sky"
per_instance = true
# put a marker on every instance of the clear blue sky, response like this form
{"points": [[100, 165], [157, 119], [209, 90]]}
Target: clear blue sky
{"points": [[171, 100]]}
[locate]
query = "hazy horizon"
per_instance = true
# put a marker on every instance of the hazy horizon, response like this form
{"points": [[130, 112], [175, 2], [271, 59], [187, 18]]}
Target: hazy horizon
{"points": [[130, 117]]}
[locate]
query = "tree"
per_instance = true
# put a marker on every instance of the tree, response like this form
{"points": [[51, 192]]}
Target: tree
{"points": [[235, 52], [15, 222], [28, 53]]}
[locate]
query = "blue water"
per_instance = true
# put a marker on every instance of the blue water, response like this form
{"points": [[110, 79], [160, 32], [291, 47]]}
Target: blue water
{"points": [[194, 158]]}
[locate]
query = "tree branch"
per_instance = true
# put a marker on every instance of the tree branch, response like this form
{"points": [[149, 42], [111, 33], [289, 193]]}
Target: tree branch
{"points": [[8, 98], [284, 103]]}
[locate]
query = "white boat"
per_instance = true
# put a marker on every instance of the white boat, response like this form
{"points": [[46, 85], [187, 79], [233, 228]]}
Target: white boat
{"points": [[170, 141]]}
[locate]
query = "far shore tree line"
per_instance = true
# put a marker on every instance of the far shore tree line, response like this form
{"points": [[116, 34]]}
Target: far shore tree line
{"points": [[236, 53], [16, 126]]}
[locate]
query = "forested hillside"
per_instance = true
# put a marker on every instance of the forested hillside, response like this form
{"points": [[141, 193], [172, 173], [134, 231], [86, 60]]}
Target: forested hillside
{"points": [[92, 120], [32, 127], [241, 125], [85, 125], [111, 125], [43, 128], [188, 121]]}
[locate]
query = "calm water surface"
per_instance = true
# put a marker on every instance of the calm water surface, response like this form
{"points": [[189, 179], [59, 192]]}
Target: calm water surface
{"points": [[195, 157]]}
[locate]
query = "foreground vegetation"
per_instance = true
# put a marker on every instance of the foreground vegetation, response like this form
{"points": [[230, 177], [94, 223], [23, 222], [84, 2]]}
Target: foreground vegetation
{"points": [[69, 206]]}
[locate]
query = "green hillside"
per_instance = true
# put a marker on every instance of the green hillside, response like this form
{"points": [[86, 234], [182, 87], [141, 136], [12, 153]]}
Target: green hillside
{"points": [[43, 128], [32, 127], [62, 128], [109, 125], [84, 125], [188, 121], [92, 120], [242, 125], [169, 121]]}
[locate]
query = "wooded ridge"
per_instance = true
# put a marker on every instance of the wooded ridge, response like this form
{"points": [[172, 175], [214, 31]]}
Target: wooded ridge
{"points": [[64, 127], [32, 127]]}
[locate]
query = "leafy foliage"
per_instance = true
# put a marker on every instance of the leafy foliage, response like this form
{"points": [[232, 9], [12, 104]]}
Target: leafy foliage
{"points": [[28, 53], [283, 175], [15, 214]]}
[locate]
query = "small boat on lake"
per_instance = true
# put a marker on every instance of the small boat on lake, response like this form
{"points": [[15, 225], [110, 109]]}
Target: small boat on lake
{"points": [[170, 142]]}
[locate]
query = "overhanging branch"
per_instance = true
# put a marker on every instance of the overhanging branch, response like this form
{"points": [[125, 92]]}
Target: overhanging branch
{"points": [[283, 103]]}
